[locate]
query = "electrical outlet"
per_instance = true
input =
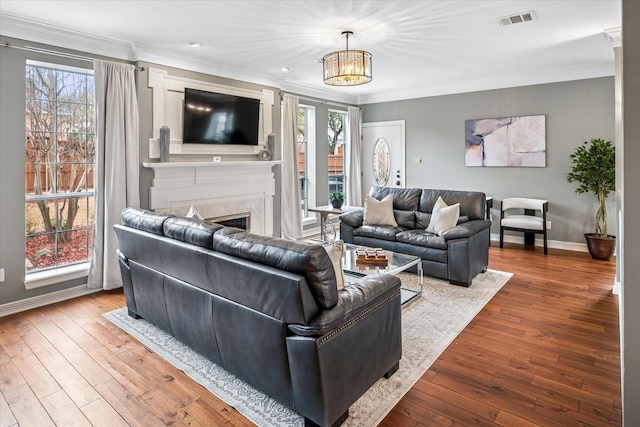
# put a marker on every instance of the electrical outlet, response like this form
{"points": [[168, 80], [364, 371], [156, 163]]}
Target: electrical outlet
{"points": [[417, 160], [1, 274]]}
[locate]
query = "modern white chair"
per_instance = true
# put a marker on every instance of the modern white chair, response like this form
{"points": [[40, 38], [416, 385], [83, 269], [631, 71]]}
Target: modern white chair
{"points": [[520, 214]]}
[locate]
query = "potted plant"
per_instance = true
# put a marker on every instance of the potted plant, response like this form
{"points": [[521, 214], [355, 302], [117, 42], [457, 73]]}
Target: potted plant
{"points": [[594, 169], [336, 199]]}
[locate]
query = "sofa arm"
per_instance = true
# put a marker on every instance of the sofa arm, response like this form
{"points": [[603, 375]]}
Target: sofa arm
{"points": [[348, 222], [329, 373], [356, 299], [468, 257], [353, 218], [466, 229]]}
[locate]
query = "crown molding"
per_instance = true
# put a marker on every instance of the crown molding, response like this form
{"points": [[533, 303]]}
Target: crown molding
{"points": [[314, 92], [172, 58], [38, 32], [487, 83], [62, 37], [614, 35]]}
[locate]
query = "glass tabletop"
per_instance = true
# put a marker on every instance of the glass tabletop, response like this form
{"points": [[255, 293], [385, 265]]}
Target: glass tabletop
{"points": [[395, 263]]}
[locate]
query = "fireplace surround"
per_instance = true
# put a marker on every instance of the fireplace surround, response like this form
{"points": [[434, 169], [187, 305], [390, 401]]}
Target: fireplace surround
{"points": [[216, 190]]}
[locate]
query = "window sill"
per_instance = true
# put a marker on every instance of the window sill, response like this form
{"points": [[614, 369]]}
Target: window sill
{"points": [[309, 220], [58, 275]]}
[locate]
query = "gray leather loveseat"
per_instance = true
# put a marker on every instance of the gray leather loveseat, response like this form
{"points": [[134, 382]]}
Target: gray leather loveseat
{"points": [[457, 255], [265, 309]]}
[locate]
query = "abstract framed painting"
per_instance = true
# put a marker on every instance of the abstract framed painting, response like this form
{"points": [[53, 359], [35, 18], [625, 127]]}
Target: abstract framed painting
{"points": [[509, 141]]}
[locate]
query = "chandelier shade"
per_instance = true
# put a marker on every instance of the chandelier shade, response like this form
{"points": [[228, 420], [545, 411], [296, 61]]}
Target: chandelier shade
{"points": [[347, 67]]}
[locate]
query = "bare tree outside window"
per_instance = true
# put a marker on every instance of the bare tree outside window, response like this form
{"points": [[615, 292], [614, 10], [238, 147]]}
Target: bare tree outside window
{"points": [[302, 159], [59, 164], [335, 143], [336, 127]]}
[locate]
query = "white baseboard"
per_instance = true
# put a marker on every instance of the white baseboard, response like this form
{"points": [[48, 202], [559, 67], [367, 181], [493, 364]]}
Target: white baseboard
{"points": [[556, 244], [46, 299], [315, 231], [617, 288]]}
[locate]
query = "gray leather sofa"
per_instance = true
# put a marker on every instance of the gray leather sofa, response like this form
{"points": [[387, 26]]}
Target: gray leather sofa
{"points": [[265, 309], [458, 255]]}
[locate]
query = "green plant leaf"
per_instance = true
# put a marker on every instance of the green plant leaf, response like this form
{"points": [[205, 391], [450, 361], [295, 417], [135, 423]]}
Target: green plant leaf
{"points": [[594, 170]]}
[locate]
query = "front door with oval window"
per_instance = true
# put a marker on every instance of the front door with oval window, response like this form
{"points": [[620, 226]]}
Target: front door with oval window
{"points": [[383, 159]]}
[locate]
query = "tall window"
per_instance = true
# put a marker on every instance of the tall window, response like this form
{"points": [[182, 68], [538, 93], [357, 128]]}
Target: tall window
{"points": [[336, 131], [306, 157], [59, 164]]}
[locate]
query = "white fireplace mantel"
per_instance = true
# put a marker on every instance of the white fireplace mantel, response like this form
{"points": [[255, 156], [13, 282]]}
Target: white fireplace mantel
{"points": [[216, 189]]}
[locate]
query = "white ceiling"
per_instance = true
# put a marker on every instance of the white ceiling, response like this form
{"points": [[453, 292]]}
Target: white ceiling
{"points": [[419, 48]]}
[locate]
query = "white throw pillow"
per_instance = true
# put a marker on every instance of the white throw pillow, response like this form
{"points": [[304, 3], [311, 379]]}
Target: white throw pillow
{"points": [[193, 213], [443, 217], [335, 251], [379, 212], [439, 205]]}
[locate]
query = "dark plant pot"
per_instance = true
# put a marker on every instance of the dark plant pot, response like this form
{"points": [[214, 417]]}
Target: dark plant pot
{"points": [[600, 247], [337, 203]]}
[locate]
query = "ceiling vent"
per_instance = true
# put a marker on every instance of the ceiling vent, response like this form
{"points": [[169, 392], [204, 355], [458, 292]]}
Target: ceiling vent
{"points": [[517, 18]]}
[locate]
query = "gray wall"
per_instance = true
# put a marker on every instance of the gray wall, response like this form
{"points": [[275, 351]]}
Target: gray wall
{"points": [[630, 313], [575, 111]]}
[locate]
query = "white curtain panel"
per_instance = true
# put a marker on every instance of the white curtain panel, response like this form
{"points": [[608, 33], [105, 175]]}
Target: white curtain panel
{"points": [[290, 216], [116, 174], [354, 164]]}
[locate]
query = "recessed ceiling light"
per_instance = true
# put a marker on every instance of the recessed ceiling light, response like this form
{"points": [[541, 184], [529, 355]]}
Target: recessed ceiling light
{"points": [[285, 69], [194, 44]]}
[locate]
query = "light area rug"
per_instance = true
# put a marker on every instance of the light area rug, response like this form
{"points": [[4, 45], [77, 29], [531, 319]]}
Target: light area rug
{"points": [[429, 324]]}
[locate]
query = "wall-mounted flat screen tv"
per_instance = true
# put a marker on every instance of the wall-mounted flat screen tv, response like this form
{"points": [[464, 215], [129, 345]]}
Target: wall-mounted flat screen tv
{"points": [[217, 118]]}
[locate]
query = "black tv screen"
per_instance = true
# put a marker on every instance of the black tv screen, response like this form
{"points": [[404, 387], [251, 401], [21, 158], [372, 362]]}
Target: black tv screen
{"points": [[216, 118]]}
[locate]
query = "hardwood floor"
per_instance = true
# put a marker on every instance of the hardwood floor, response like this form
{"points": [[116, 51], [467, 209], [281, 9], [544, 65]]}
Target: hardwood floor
{"points": [[543, 352]]}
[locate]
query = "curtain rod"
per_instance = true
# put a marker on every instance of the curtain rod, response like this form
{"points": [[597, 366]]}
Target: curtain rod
{"points": [[55, 53], [320, 100]]}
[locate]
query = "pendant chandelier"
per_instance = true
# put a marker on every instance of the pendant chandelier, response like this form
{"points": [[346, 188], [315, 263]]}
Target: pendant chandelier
{"points": [[347, 67]]}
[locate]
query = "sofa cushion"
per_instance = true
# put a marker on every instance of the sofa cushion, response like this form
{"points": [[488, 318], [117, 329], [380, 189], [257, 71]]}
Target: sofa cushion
{"points": [[425, 252], [423, 219], [377, 232], [307, 259], [405, 219], [335, 250], [379, 212], [144, 220], [472, 203], [422, 238], [443, 217], [191, 230], [404, 199]]}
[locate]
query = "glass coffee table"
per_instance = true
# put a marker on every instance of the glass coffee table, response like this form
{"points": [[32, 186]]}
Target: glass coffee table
{"points": [[396, 263]]}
